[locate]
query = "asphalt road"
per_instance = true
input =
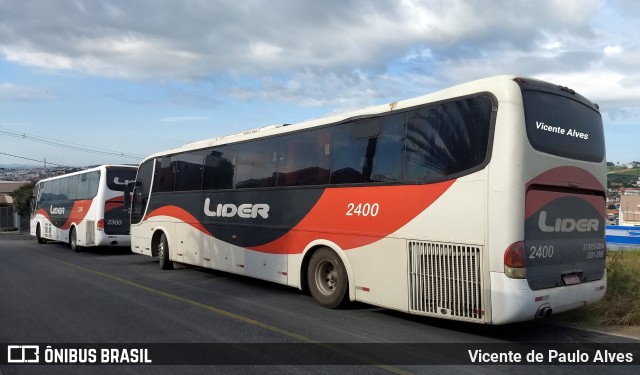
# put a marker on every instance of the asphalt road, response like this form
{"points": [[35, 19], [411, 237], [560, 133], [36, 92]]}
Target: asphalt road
{"points": [[51, 295]]}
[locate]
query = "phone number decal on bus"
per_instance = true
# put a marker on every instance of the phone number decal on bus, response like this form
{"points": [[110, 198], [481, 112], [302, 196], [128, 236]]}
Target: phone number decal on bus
{"points": [[595, 250], [363, 209], [595, 254], [593, 246]]}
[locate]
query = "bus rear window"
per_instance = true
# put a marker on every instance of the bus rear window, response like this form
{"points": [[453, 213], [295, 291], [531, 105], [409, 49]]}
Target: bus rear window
{"points": [[117, 178], [562, 126]]}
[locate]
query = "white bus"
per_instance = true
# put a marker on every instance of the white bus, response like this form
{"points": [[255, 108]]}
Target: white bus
{"points": [[83, 208], [484, 202]]}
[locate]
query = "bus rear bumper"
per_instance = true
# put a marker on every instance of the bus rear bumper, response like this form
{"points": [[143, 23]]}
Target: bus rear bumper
{"points": [[513, 301], [103, 239]]}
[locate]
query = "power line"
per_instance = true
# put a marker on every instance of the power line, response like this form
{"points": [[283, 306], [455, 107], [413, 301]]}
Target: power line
{"points": [[68, 145], [25, 158]]}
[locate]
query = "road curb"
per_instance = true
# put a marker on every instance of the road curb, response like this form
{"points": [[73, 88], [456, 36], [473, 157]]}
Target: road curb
{"points": [[18, 236], [632, 332]]}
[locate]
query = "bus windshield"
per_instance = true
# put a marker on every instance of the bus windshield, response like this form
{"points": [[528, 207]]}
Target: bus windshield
{"points": [[562, 126]]}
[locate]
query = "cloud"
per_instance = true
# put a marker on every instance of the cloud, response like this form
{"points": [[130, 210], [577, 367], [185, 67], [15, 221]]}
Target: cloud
{"points": [[342, 91], [337, 53], [606, 87], [184, 118], [10, 91], [192, 39]]}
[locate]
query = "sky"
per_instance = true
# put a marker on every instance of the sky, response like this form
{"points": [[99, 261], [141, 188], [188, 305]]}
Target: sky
{"points": [[95, 82]]}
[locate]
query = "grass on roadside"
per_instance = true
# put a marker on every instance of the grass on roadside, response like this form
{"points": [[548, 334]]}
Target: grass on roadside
{"points": [[621, 304], [629, 172]]}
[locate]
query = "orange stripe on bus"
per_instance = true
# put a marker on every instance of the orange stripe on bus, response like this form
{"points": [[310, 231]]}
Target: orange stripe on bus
{"points": [[328, 219], [180, 214]]}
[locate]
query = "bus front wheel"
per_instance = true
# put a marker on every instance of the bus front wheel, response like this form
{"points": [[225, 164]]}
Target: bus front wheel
{"points": [[162, 249], [327, 278]]}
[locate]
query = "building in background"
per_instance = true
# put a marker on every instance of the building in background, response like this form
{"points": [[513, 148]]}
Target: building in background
{"points": [[9, 218], [629, 214]]}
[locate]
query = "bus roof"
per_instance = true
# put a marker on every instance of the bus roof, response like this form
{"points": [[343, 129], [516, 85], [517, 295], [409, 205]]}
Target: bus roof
{"points": [[91, 169], [467, 88]]}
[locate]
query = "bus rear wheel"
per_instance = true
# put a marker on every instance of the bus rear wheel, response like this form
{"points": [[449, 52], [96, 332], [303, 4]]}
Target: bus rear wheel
{"points": [[41, 240], [327, 278], [73, 240], [162, 249]]}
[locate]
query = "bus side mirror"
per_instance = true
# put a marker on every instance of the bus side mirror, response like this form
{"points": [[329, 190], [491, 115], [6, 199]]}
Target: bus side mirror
{"points": [[31, 202], [128, 188]]}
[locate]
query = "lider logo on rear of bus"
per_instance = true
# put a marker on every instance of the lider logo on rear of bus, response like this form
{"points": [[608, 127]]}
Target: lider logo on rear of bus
{"points": [[118, 182], [567, 224], [245, 211]]}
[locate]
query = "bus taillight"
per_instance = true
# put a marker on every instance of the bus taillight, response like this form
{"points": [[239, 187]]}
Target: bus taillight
{"points": [[100, 225], [514, 258]]}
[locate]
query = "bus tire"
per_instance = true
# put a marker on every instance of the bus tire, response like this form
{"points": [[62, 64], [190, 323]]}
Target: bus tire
{"points": [[327, 278], [41, 240], [73, 240], [162, 250]]}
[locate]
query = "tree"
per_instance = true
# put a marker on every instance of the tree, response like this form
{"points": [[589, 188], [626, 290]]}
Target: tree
{"points": [[21, 198]]}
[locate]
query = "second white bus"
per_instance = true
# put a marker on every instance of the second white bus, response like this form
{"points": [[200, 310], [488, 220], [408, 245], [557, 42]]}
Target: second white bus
{"points": [[83, 209]]}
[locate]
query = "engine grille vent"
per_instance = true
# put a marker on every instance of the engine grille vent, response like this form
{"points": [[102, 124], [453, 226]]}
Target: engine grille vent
{"points": [[91, 232], [446, 280]]}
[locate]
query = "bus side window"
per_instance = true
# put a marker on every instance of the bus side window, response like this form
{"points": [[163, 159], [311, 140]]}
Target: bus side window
{"points": [[446, 139], [46, 191], [73, 187], [219, 167], [83, 187], [305, 159], [257, 163], [55, 190], [165, 175], [353, 150], [189, 169], [64, 188], [94, 183], [388, 162]]}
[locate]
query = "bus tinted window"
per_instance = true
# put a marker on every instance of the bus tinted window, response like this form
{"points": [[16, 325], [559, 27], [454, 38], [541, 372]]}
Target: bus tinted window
{"points": [[388, 162], [562, 126], [73, 187], [64, 188], [165, 175], [88, 185], [55, 190], [117, 178], [305, 158], [189, 171], [83, 186], [93, 179], [447, 139], [370, 150], [46, 191], [257, 164], [219, 167], [354, 148]]}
